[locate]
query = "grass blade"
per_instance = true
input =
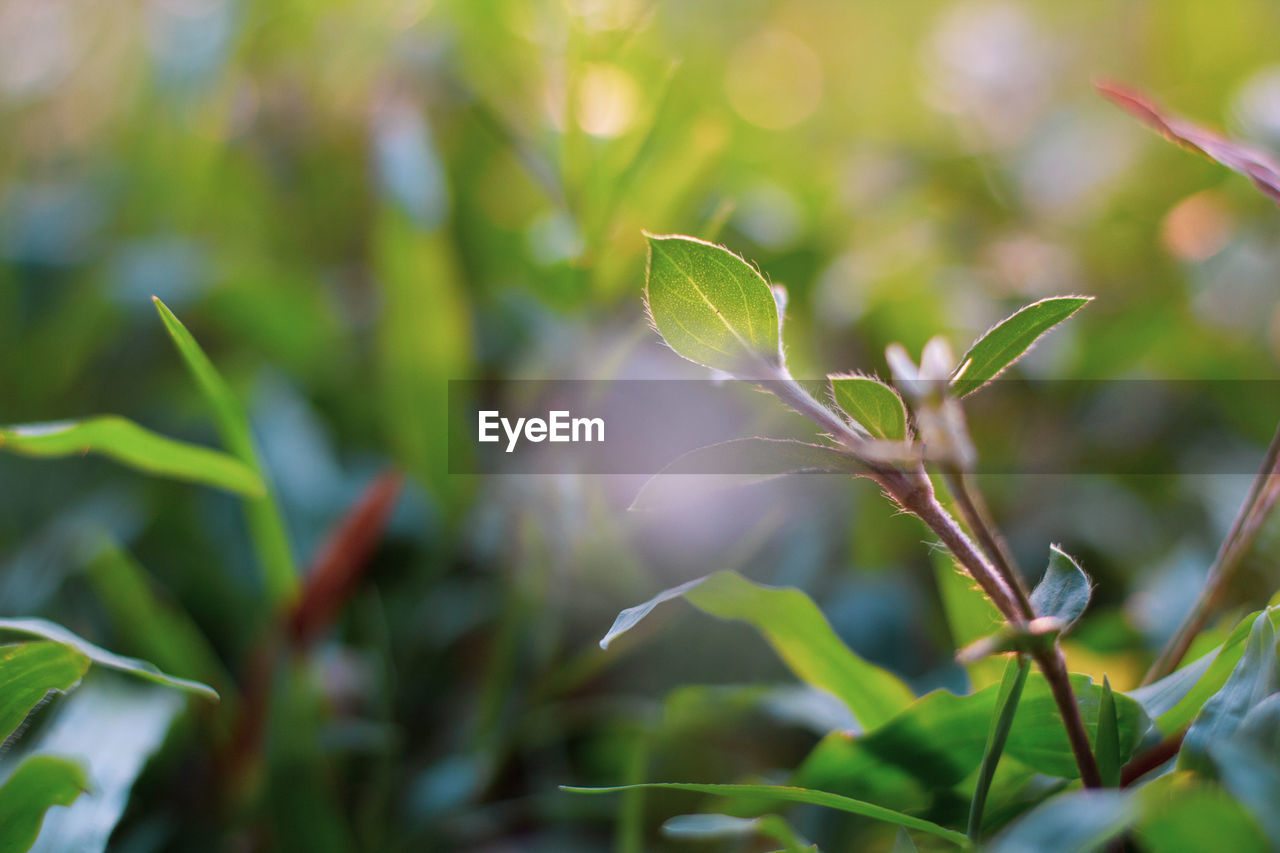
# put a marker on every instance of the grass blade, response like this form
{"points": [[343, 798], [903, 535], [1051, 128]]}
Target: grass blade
{"points": [[130, 444], [1106, 740], [797, 795], [1015, 678], [266, 527]]}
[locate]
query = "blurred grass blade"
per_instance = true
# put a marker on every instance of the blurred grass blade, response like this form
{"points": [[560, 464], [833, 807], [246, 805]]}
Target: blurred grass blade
{"points": [[126, 442], [872, 404], [102, 657], [738, 462], [970, 616], [150, 624], [1106, 738], [791, 794], [1064, 591], [710, 305], [700, 827], [1015, 678], [40, 782], [1007, 341], [28, 671], [796, 629], [1254, 163], [343, 558], [266, 527]]}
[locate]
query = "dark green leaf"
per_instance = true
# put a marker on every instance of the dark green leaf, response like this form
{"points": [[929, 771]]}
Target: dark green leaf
{"points": [[872, 404], [1064, 591], [1248, 763], [1106, 739], [1182, 814], [271, 541], [710, 305], [739, 462], [786, 793], [40, 782], [28, 671], [126, 442], [100, 656], [1015, 678], [1254, 678], [1007, 341], [796, 629]]}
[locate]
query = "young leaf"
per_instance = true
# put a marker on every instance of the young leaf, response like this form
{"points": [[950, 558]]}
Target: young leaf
{"points": [[1008, 340], [1255, 677], [1106, 738], [1064, 591], [1254, 163], [102, 657], [791, 794], [872, 404], [40, 782], [739, 462], [28, 671], [1015, 678], [126, 442], [710, 305], [266, 527], [796, 629]]}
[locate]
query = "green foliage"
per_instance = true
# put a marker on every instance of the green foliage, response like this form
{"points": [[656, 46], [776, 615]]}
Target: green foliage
{"points": [[135, 446], [1015, 679], [710, 305], [1007, 341], [696, 827], [28, 672], [873, 405], [1106, 739], [38, 784], [1064, 591], [795, 628]]}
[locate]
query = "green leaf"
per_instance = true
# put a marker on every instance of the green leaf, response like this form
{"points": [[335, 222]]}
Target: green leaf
{"points": [[796, 629], [124, 441], [1254, 678], [935, 744], [710, 305], [28, 671], [1106, 739], [792, 794], [1015, 678], [1070, 823], [100, 656], [739, 462], [40, 782], [697, 827], [1007, 341], [266, 527], [1181, 814], [1248, 763], [1064, 591], [872, 404]]}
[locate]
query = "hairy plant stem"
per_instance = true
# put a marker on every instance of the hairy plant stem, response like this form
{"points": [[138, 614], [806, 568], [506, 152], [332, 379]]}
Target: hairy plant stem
{"points": [[973, 509], [1239, 541], [913, 491]]}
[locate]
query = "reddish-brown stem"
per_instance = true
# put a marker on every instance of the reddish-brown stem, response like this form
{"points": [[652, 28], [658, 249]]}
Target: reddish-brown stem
{"points": [[1239, 541], [1144, 762]]}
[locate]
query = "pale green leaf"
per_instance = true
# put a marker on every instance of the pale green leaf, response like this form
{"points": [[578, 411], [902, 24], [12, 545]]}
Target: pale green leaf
{"points": [[40, 782], [1015, 678], [872, 404], [128, 443], [739, 462], [28, 671], [266, 527], [1071, 823], [100, 656], [791, 794], [1007, 341], [1064, 591], [698, 827], [710, 305], [796, 629]]}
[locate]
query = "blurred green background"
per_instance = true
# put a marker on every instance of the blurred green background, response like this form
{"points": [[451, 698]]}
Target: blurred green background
{"points": [[351, 203]]}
